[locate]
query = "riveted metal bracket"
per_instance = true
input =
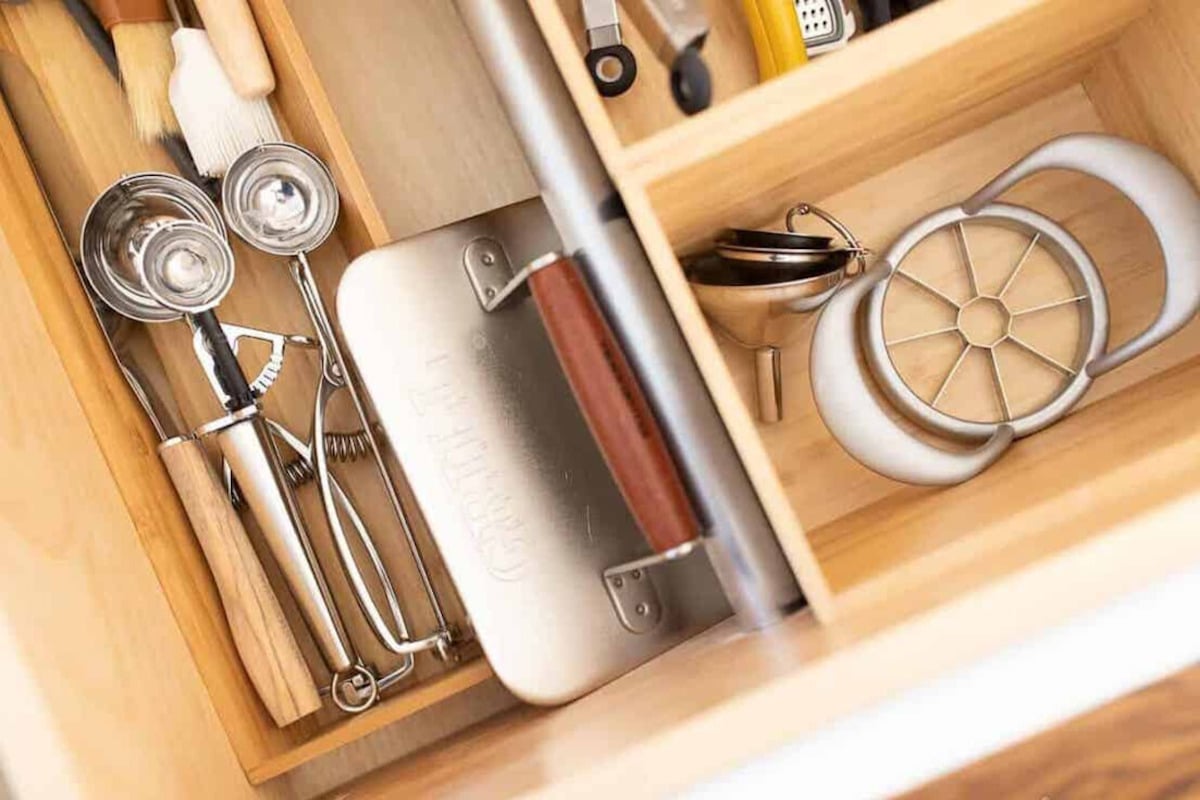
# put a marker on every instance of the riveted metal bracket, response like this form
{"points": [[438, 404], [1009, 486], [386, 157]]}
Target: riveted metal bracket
{"points": [[631, 589]]}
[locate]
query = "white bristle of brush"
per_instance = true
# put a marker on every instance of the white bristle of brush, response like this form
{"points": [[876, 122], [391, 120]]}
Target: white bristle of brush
{"points": [[218, 125], [145, 59]]}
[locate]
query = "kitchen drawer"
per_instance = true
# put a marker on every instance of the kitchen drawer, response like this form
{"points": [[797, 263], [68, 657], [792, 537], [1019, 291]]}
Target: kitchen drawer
{"points": [[97, 145], [901, 122]]}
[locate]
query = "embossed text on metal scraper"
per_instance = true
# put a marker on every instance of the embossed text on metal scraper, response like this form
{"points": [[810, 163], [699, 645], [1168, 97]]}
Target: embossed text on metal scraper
{"points": [[463, 457]]}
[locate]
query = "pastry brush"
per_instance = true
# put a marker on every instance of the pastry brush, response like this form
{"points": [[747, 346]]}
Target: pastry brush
{"points": [[141, 34], [93, 30], [218, 124]]}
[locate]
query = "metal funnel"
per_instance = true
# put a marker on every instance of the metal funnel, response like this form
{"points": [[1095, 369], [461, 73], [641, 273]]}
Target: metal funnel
{"points": [[762, 318]]}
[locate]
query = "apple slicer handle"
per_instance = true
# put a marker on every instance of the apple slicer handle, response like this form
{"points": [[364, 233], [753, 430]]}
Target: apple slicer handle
{"points": [[1163, 194]]}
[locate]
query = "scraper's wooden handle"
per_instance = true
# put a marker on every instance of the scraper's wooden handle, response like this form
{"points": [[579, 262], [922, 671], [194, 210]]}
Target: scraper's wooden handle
{"points": [[614, 406]]}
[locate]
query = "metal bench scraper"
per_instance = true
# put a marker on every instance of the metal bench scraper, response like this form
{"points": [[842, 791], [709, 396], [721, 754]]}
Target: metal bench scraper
{"points": [[514, 489]]}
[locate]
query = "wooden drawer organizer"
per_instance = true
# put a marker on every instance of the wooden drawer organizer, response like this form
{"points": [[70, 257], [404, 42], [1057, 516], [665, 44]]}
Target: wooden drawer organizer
{"points": [[907, 120], [903, 121]]}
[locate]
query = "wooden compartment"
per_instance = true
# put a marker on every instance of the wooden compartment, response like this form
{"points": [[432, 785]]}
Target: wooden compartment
{"points": [[902, 581], [861, 526], [904, 120], [94, 144]]}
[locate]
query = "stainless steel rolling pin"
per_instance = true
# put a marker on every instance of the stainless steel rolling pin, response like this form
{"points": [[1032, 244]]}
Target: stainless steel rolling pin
{"points": [[586, 209]]}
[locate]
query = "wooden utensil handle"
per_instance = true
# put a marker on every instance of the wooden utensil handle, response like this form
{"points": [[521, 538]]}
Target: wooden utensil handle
{"points": [[260, 632], [117, 12], [235, 37], [614, 405]]}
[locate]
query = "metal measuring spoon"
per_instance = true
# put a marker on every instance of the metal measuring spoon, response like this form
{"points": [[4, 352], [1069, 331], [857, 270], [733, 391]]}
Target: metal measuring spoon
{"points": [[118, 225], [282, 199], [186, 266]]}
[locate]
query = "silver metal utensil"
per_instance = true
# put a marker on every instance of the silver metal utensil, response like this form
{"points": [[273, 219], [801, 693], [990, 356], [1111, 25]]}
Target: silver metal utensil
{"points": [[525, 513], [760, 318], [116, 234], [612, 65], [676, 31], [825, 24], [188, 267], [756, 295], [281, 199]]}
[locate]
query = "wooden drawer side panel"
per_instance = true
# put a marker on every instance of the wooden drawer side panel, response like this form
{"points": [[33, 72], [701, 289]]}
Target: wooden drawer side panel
{"points": [[122, 431], [78, 592]]}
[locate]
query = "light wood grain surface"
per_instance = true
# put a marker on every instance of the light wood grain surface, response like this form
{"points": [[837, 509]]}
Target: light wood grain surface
{"points": [[110, 667], [883, 99], [721, 699], [97, 134], [417, 110], [1145, 87], [1048, 494]]}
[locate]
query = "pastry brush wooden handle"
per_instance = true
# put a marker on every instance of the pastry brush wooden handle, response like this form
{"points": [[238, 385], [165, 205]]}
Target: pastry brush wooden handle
{"points": [[234, 34], [260, 632], [614, 405], [117, 12]]}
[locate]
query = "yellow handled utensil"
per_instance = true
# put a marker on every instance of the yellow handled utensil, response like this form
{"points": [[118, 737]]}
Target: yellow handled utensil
{"points": [[778, 39]]}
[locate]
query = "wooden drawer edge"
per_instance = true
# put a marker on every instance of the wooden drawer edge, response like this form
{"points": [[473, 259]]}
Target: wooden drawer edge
{"points": [[893, 50], [835, 670], [302, 98], [1136, 555], [352, 728]]}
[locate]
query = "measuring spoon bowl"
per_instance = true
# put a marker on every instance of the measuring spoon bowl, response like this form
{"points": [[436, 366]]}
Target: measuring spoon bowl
{"points": [[187, 267], [120, 223], [280, 198]]}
